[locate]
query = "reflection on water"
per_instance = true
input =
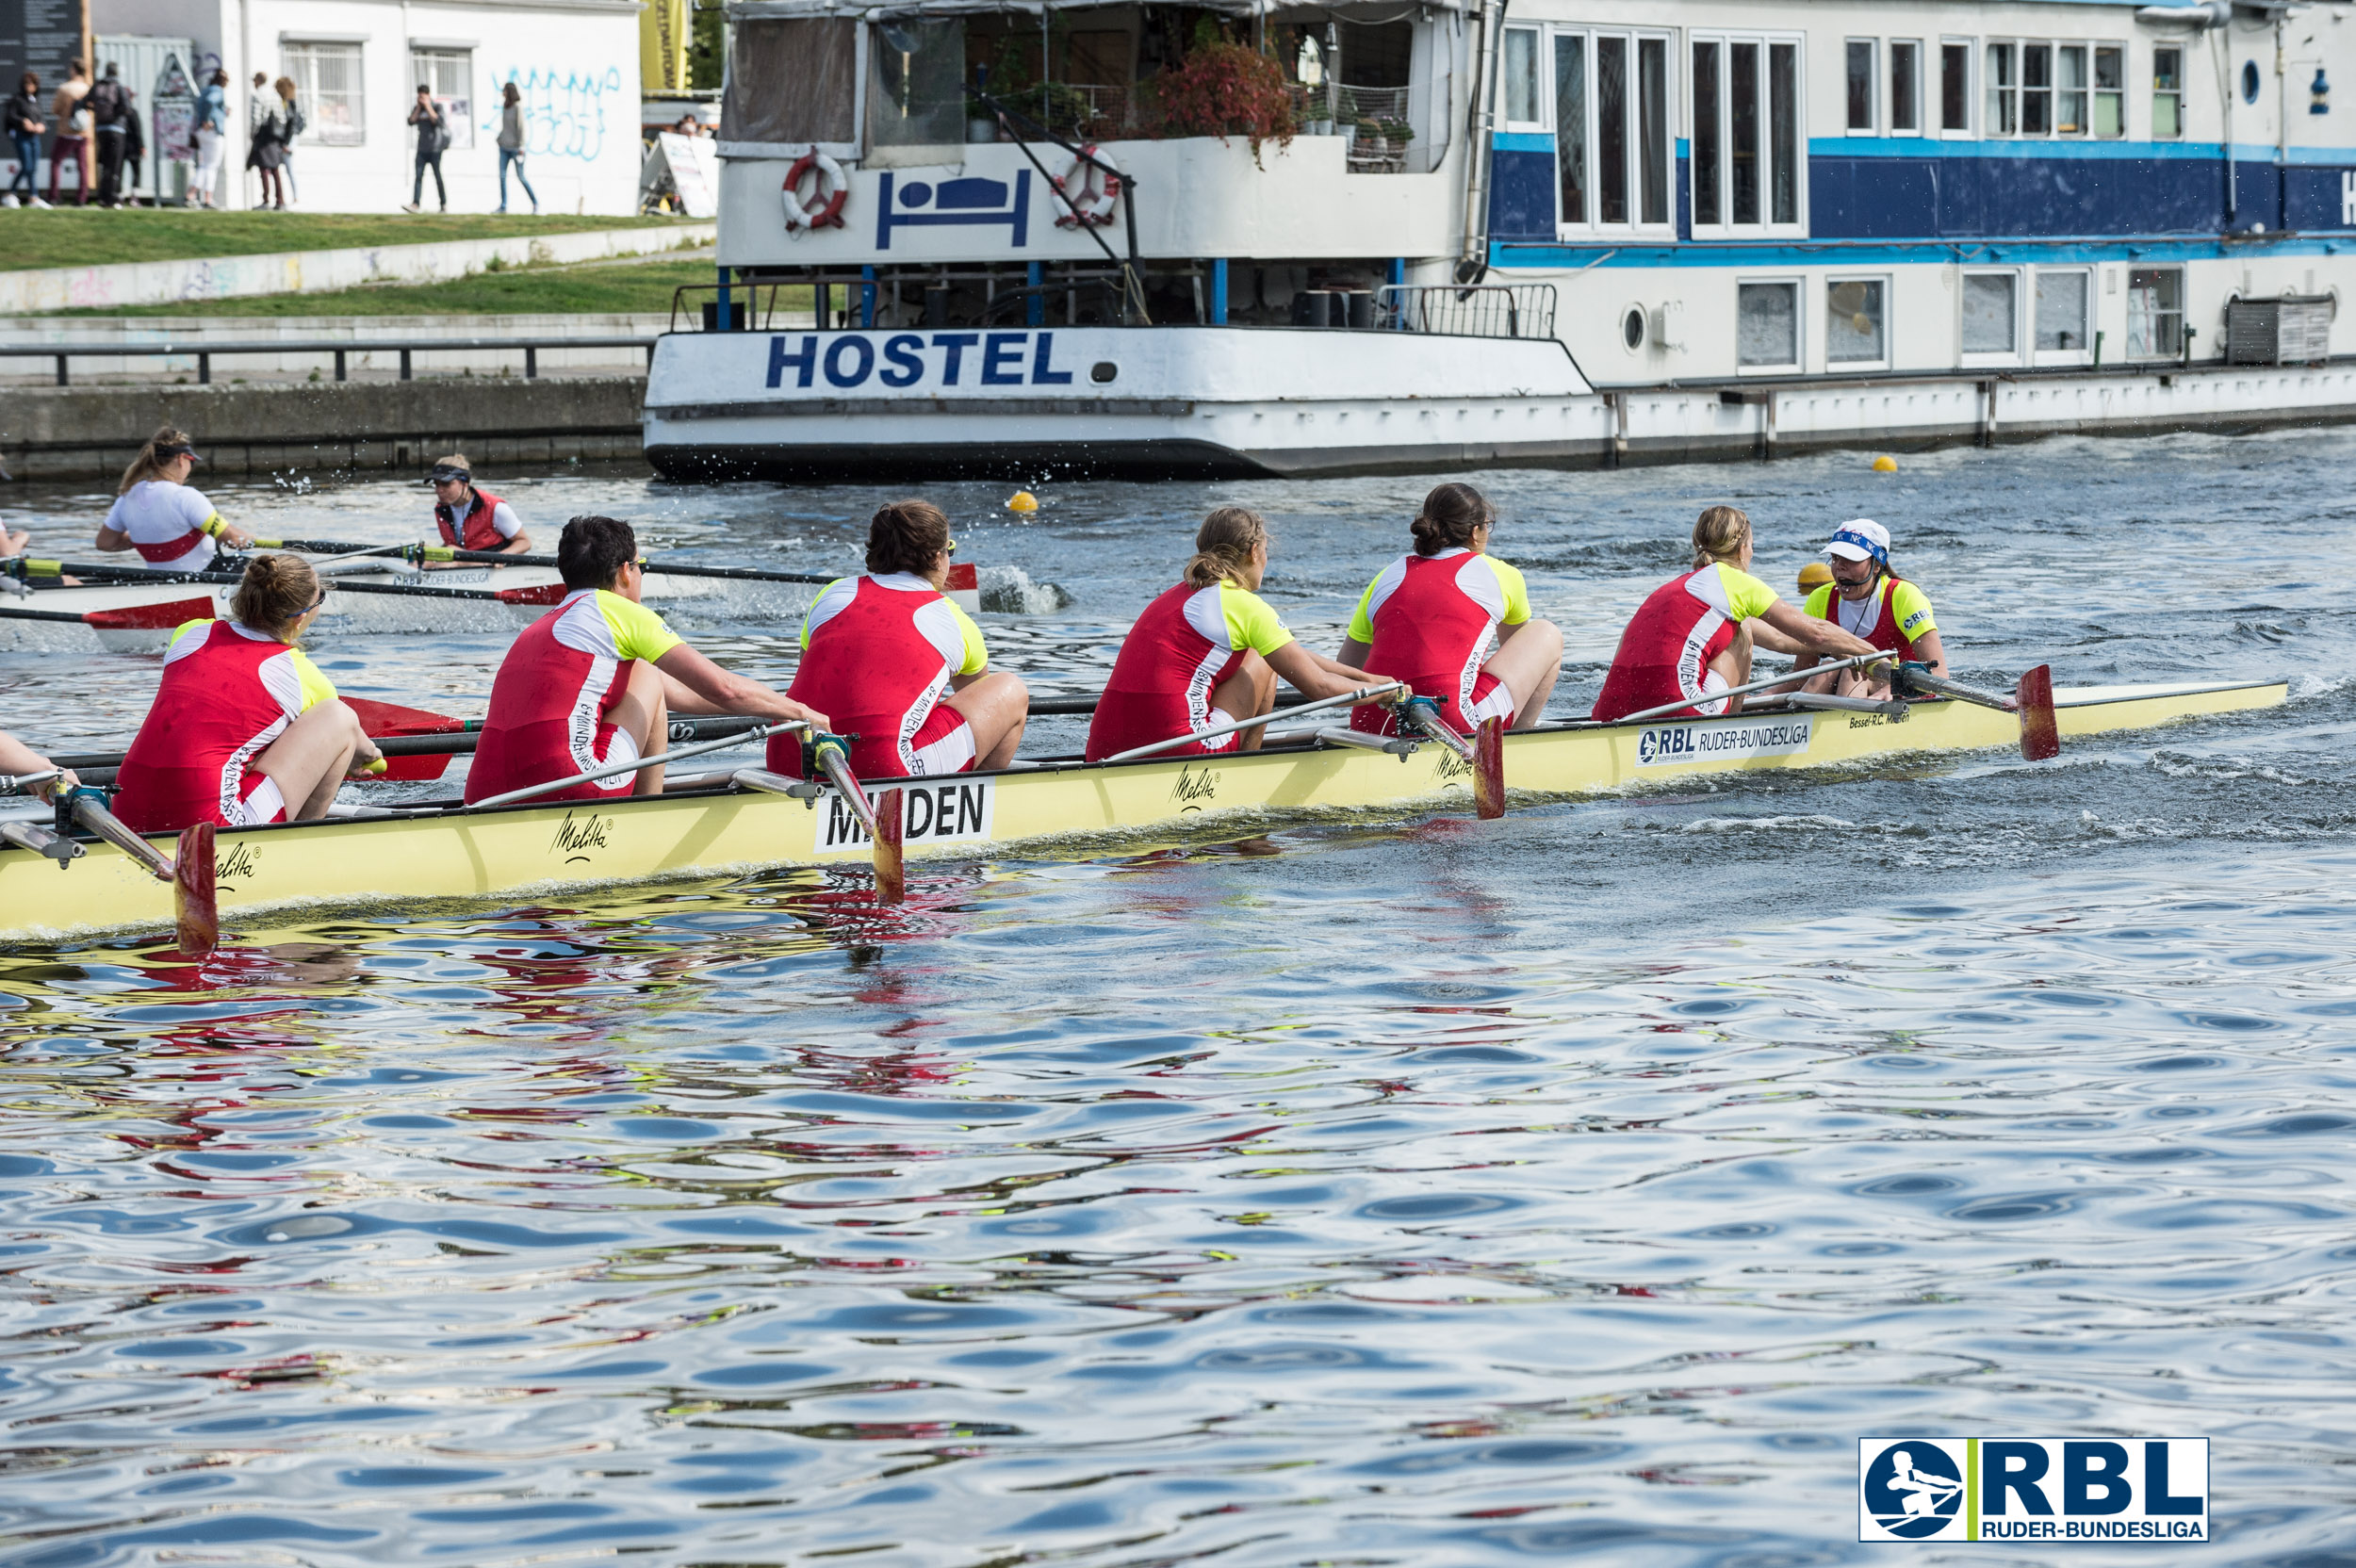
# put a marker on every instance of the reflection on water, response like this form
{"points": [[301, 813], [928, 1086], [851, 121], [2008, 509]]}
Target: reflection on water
{"points": [[1391, 1192]]}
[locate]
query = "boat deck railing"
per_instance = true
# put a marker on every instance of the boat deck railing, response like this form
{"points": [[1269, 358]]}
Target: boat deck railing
{"points": [[1474, 310]]}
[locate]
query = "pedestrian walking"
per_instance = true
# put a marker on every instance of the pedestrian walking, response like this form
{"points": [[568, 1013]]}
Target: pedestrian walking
{"points": [[74, 125], [212, 133], [265, 144], [512, 139], [134, 150], [290, 125], [109, 106], [25, 126], [433, 136]]}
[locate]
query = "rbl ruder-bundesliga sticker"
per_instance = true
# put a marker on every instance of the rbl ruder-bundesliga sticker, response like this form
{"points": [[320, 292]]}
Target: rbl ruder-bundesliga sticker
{"points": [[2038, 1489]]}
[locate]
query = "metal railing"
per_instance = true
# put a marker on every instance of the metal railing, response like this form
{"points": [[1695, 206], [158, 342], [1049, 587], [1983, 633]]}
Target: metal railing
{"points": [[340, 348], [1478, 310]]}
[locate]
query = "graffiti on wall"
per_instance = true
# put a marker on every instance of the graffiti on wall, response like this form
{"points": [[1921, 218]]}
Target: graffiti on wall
{"points": [[565, 112]]}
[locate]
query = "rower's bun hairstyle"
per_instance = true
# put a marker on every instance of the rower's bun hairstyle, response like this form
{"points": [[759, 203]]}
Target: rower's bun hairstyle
{"points": [[593, 550], [904, 536], [148, 464], [274, 593], [1449, 514], [1718, 534], [1223, 545]]}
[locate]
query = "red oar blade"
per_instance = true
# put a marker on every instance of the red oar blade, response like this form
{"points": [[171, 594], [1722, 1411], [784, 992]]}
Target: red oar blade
{"points": [[195, 900], [892, 884], [548, 593], [2040, 731], [1489, 769], [380, 719], [152, 617]]}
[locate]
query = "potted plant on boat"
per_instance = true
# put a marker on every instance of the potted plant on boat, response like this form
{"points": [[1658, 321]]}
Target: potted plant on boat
{"points": [[1223, 88]]}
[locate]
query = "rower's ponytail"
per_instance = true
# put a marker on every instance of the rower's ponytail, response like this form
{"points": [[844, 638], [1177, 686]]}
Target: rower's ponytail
{"points": [[1718, 534], [1449, 515], [162, 447], [274, 593], [1223, 545]]}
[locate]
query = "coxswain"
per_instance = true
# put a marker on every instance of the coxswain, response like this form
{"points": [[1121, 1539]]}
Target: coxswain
{"points": [[160, 514], [472, 519], [244, 729], [1209, 652], [1432, 617], [1865, 596], [594, 681], [18, 759], [900, 666], [1694, 634]]}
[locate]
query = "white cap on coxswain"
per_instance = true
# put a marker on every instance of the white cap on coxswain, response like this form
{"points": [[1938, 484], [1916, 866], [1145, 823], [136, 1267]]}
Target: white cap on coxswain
{"points": [[1860, 539]]}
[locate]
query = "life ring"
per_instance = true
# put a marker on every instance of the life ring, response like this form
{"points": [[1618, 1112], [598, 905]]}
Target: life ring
{"points": [[1085, 203], [834, 187]]}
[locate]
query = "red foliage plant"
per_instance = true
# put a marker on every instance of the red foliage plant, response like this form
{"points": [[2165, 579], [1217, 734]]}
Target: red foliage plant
{"points": [[1225, 89]]}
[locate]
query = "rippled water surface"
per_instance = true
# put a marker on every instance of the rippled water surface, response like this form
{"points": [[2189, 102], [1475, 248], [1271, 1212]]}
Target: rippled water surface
{"points": [[1415, 1191]]}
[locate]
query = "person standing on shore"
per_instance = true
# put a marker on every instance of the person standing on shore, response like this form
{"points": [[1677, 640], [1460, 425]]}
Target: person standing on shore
{"points": [[212, 131], [511, 139], [290, 125], [72, 139], [110, 117], [24, 127], [266, 149], [425, 115]]}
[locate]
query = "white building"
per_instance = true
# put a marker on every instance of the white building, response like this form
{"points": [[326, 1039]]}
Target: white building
{"points": [[357, 65]]}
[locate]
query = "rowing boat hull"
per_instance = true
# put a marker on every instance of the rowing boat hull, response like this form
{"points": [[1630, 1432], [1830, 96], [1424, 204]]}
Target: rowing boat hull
{"points": [[357, 861]]}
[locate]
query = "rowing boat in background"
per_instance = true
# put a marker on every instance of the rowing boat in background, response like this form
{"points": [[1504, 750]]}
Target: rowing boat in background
{"points": [[439, 851]]}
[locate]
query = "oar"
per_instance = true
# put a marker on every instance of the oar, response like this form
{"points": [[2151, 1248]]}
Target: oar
{"points": [[457, 740], [881, 819], [2032, 699], [1362, 695], [533, 791], [40, 840], [740, 574], [196, 903], [108, 572], [1485, 752], [1791, 680]]}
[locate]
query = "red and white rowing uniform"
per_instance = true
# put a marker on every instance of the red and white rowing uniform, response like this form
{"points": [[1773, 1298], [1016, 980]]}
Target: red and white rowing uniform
{"points": [[1187, 641], [1684, 624], [877, 655], [554, 689], [490, 523], [170, 525], [228, 692], [1893, 617], [1431, 621]]}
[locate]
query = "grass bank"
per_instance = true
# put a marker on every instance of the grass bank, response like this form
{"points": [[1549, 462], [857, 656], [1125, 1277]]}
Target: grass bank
{"points": [[588, 288], [84, 237]]}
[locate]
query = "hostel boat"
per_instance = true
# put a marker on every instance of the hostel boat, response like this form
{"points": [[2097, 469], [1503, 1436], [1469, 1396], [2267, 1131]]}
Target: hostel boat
{"points": [[439, 853], [1575, 232]]}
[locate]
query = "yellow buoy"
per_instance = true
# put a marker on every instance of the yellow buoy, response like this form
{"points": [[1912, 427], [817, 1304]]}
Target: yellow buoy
{"points": [[1813, 576], [1885, 465], [1022, 500]]}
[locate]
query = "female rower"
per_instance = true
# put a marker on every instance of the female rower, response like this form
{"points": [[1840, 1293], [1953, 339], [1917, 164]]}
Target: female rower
{"points": [[1209, 651], [880, 651], [157, 514], [1694, 634], [245, 729], [1432, 619], [1863, 593]]}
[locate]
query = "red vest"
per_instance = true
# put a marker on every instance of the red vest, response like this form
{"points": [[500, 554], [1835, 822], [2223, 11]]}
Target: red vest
{"points": [[1664, 652], [1885, 635], [211, 717], [1430, 633], [872, 670], [1162, 681], [548, 716], [173, 550], [478, 532]]}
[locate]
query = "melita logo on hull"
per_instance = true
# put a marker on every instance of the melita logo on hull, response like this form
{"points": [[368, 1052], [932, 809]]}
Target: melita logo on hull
{"points": [[2036, 1489]]}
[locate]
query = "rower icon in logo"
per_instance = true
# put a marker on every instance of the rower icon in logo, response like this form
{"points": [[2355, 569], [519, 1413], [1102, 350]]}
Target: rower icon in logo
{"points": [[1647, 746], [1913, 1490]]}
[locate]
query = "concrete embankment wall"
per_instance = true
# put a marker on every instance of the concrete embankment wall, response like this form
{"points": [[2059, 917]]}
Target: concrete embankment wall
{"points": [[75, 433], [374, 344]]}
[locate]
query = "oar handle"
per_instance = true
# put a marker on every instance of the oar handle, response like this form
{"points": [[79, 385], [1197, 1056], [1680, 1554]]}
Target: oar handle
{"points": [[533, 791], [1916, 676], [741, 574], [23, 782], [1793, 677], [1389, 691]]}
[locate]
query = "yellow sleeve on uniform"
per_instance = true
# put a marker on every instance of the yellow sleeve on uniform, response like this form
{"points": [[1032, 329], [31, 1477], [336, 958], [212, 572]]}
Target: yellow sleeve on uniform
{"points": [[1251, 622], [1820, 602], [638, 631], [1361, 623], [185, 627], [1747, 596], [977, 658], [1516, 593], [316, 687], [1911, 609]]}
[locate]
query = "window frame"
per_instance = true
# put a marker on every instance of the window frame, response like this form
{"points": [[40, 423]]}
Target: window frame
{"points": [[299, 57], [2175, 92], [1797, 283], [2126, 346], [2083, 354], [2095, 91], [1999, 96], [1765, 41], [1914, 71], [1873, 47], [1970, 126], [2083, 48], [1970, 358], [1633, 40], [1540, 58], [1834, 280]]}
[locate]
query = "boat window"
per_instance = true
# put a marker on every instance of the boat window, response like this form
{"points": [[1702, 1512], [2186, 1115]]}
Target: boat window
{"points": [[1863, 120], [2110, 92], [1708, 168], [2167, 94], [2062, 297], [1783, 119], [1990, 312], [1906, 86], [793, 80], [1852, 321], [2069, 110], [1520, 70], [1652, 128], [1955, 88], [1767, 326], [1749, 154], [916, 83], [2036, 90], [1612, 130], [1570, 121], [2004, 92], [1743, 125], [2156, 312]]}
